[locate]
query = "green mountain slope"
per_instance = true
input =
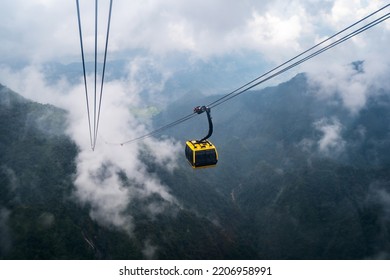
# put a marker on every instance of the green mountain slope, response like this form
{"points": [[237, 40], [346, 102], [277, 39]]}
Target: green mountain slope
{"points": [[291, 199], [281, 189], [41, 219]]}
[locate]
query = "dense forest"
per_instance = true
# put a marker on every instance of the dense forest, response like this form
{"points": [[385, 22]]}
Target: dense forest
{"points": [[278, 191]]}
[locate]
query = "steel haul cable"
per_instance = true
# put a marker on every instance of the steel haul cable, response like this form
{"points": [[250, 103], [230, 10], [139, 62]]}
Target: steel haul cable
{"points": [[103, 73], [84, 72], [95, 84], [97, 107], [345, 38], [299, 55]]}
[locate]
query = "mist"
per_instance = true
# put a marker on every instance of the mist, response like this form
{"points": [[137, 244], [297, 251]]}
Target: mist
{"points": [[331, 141], [99, 182]]}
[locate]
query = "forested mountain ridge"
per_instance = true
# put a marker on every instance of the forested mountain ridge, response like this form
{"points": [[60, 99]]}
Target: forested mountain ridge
{"points": [[309, 179], [40, 218], [299, 177]]}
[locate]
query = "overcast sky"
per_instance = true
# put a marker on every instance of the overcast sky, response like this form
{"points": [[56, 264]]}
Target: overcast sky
{"points": [[44, 30]]}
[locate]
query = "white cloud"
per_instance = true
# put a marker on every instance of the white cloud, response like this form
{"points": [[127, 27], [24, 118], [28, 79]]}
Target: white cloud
{"points": [[353, 87], [47, 30], [332, 71], [342, 81], [36, 30], [345, 12], [98, 180], [331, 142], [149, 251], [269, 32]]}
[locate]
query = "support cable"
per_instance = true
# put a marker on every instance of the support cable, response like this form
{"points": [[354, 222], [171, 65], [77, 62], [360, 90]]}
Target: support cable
{"points": [[84, 72], [103, 74], [95, 84], [343, 39], [96, 106], [161, 129], [299, 55]]}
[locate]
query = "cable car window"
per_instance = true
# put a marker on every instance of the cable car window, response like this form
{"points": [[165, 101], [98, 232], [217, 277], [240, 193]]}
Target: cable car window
{"points": [[203, 158], [189, 155]]}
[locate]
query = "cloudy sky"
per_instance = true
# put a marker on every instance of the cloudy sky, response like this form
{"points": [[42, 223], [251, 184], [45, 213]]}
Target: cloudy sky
{"points": [[249, 37], [169, 36], [44, 30]]}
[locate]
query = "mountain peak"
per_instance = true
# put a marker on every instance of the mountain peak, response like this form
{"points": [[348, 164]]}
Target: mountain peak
{"points": [[9, 97], [44, 117]]}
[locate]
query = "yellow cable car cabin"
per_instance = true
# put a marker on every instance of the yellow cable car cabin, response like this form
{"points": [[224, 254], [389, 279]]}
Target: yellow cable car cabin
{"points": [[201, 154]]}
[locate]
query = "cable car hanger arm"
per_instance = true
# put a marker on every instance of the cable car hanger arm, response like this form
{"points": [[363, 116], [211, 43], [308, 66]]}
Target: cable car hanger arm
{"points": [[200, 110]]}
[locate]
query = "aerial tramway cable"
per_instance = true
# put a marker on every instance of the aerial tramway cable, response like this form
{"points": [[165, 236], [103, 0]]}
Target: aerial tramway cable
{"points": [[84, 72], [95, 84], [297, 56], [97, 106], [103, 71], [259, 79], [341, 40]]}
